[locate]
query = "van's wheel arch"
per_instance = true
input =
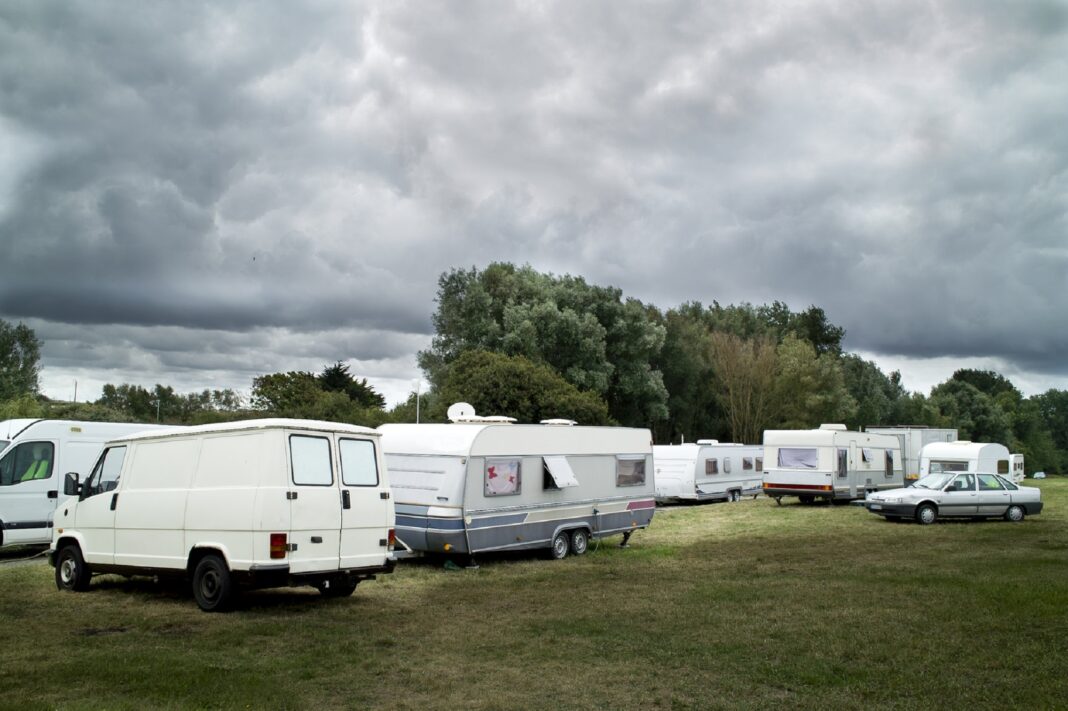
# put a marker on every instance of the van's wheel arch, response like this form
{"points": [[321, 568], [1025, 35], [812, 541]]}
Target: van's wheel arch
{"points": [[72, 572], [213, 585]]}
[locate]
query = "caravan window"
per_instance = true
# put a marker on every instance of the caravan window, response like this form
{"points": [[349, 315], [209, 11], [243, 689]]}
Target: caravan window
{"points": [[105, 476], [359, 467], [310, 457], [1003, 466], [866, 455], [503, 477], [558, 473], [889, 463], [797, 458], [760, 464], [937, 466], [28, 461], [712, 466], [630, 471], [747, 463]]}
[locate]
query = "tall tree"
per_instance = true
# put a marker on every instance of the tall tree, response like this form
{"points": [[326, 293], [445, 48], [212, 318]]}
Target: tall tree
{"points": [[809, 388], [975, 414], [745, 383], [20, 355], [336, 378]]}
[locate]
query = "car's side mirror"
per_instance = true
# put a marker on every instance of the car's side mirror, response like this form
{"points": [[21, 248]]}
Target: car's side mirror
{"points": [[71, 487]]}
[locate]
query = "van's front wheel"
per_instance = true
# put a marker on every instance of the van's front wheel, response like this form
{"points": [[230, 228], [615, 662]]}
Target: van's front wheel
{"points": [[72, 574], [213, 586]]}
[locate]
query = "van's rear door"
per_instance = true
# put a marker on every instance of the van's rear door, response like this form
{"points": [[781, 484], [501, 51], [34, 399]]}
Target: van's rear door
{"points": [[367, 509], [315, 504]]}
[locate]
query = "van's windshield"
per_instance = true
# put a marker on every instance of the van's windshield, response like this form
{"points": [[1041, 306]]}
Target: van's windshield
{"points": [[3, 444]]}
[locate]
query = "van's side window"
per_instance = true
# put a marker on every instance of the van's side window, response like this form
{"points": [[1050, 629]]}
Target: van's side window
{"points": [[358, 464], [311, 460], [630, 471], [105, 476], [712, 466], [503, 477], [28, 461]]}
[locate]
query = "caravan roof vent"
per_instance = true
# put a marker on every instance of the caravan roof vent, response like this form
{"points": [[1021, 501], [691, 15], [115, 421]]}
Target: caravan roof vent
{"points": [[497, 419], [462, 412], [708, 441], [560, 422], [837, 428]]}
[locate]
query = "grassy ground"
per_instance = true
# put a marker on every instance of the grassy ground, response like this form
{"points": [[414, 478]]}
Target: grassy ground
{"points": [[723, 605]]}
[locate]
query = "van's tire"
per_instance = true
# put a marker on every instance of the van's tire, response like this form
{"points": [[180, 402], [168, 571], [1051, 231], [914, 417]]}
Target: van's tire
{"points": [[213, 586], [580, 541], [926, 514], [560, 546], [1015, 514], [72, 574], [337, 587]]}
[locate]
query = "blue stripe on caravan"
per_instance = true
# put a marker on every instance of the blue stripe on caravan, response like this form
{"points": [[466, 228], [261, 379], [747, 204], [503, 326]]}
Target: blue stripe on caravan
{"points": [[498, 520], [411, 509], [441, 524]]}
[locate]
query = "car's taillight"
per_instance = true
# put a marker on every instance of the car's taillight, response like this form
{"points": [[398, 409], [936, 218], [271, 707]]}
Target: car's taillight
{"points": [[392, 539], [278, 545]]}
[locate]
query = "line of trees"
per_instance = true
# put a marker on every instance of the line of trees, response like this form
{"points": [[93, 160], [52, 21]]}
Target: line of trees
{"points": [[514, 341]]}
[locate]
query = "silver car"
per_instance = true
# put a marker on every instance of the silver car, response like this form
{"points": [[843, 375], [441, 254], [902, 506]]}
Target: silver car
{"points": [[957, 494]]}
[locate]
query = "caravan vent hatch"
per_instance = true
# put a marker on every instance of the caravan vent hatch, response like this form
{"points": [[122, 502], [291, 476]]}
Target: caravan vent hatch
{"points": [[838, 428]]}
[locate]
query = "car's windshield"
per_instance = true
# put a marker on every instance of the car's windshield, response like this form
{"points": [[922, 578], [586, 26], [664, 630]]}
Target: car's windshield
{"points": [[933, 481]]}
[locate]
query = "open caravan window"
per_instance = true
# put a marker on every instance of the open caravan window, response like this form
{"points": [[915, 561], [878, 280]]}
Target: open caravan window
{"points": [[797, 457], [558, 473], [503, 477], [630, 470]]}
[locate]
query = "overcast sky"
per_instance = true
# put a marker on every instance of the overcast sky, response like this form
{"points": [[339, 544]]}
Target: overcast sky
{"points": [[198, 193]]}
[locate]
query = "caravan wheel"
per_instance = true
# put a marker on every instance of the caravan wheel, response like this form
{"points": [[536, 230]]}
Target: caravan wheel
{"points": [[561, 545], [580, 541]]}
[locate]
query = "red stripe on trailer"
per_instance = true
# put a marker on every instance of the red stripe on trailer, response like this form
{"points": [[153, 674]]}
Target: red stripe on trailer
{"points": [[647, 504], [810, 487]]}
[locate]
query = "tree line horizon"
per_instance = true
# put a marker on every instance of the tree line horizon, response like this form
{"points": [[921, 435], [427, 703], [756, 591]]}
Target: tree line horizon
{"points": [[514, 341]]}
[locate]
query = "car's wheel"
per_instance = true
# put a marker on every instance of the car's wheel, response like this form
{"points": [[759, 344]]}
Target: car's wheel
{"points": [[337, 587], [72, 574], [926, 514], [806, 499], [1015, 513], [580, 541], [560, 546], [213, 586]]}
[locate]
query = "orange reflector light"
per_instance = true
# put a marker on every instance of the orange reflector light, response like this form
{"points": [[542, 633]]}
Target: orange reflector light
{"points": [[448, 546], [391, 539], [278, 545]]}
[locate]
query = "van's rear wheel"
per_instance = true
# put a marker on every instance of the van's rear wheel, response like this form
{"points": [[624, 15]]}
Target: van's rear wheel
{"points": [[213, 586], [337, 587], [580, 541], [560, 546], [72, 574]]}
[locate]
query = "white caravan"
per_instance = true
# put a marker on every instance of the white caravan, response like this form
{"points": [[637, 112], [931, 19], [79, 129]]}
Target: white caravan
{"points": [[259, 503], [829, 463], [971, 457], [484, 485], [34, 455], [913, 439], [707, 470]]}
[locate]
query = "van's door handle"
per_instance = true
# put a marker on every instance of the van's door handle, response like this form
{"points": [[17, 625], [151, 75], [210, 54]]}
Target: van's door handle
{"points": [[114, 500], [346, 502]]}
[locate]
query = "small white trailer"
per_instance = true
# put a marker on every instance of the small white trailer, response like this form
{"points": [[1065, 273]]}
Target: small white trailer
{"points": [[482, 484], [914, 438], [964, 456], [707, 470], [34, 456], [830, 463]]}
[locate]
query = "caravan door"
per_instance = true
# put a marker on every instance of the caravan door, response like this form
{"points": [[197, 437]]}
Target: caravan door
{"points": [[28, 492], [365, 520]]}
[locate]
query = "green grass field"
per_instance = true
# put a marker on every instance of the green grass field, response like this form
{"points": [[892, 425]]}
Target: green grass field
{"points": [[723, 605]]}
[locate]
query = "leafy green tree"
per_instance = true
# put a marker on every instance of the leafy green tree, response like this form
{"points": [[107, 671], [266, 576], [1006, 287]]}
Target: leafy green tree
{"points": [[336, 378], [497, 384], [20, 355], [686, 363], [745, 381], [22, 406], [987, 381], [975, 414], [810, 388], [1053, 409], [875, 393]]}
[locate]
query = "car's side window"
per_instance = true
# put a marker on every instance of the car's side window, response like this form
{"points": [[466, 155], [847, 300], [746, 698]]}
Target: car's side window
{"points": [[989, 482], [962, 482], [105, 476]]}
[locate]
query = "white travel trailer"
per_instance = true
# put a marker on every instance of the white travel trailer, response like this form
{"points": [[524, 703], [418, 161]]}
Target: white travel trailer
{"points": [[971, 457], [829, 463], [913, 439], [259, 503], [34, 455], [707, 470], [482, 485]]}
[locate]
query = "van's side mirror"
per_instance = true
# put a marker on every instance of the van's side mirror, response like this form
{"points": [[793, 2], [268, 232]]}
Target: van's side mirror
{"points": [[71, 487]]}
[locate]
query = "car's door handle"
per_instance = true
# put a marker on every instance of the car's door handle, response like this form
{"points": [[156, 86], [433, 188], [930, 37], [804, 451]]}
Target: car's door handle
{"points": [[114, 500], [346, 502]]}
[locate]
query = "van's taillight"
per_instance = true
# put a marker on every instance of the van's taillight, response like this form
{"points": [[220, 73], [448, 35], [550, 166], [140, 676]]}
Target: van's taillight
{"points": [[392, 538], [278, 545]]}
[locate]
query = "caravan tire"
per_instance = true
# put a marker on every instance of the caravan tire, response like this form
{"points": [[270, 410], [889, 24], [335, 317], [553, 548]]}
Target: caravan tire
{"points": [[213, 586], [806, 499], [560, 546], [72, 574], [580, 541]]}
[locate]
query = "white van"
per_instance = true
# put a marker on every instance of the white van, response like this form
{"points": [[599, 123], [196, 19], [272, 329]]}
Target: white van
{"points": [[34, 454], [259, 503]]}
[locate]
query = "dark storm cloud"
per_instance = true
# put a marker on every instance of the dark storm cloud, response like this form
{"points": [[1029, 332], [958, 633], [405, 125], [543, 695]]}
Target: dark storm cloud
{"points": [[261, 177]]}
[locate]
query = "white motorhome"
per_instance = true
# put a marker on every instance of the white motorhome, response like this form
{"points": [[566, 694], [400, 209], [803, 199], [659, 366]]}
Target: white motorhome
{"points": [[707, 470], [967, 456], [259, 503], [829, 463], [482, 484], [913, 439], [34, 455]]}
